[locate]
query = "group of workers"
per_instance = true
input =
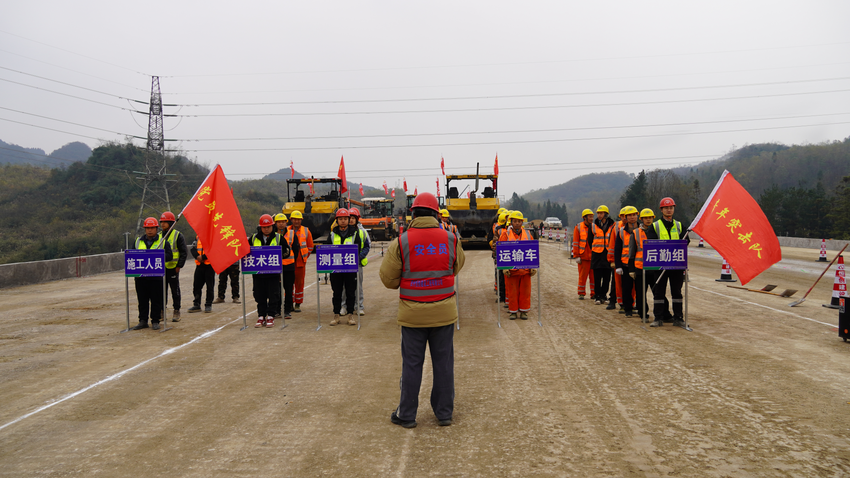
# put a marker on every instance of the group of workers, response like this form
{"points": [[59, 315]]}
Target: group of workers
{"points": [[514, 285], [605, 248]]}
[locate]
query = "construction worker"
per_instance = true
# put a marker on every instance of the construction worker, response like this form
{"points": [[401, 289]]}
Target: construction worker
{"points": [[301, 247], [427, 308], [149, 289], [232, 273], [175, 259], [501, 224], [518, 281], [621, 258], [343, 282], [616, 284], [601, 230], [287, 273], [204, 276], [582, 247], [366, 246], [266, 286], [667, 229], [446, 223], [639, 235]]}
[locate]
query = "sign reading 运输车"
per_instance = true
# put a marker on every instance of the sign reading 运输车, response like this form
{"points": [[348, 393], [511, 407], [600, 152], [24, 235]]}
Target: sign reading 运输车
{"points": [[518, 255], [262, 260], [144, 263], [336, 258], [669, 255]]}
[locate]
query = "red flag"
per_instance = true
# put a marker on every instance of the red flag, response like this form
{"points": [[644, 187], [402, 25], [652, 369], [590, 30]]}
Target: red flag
{"points": [[443, 168], [496, 165], [734, 224], [416, 191], [213, 214], [405, 185], [312, 192], [467, 195], [344, 186], [361, 189], [386, 191], [291, 170], [392, 194], [438, 186]]}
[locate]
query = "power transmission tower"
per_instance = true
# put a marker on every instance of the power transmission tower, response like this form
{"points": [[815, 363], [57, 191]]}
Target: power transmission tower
{"points": [[155, 190]]}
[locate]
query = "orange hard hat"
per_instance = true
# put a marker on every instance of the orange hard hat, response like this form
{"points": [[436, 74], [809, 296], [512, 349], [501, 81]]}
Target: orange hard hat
{"points": [[266, 220], [342, 212], [428, 201], [151, 222]]}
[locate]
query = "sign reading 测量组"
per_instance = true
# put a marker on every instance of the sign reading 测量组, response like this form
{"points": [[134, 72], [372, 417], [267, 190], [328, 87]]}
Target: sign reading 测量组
{"points": [[262, 260], [518, 255], [336, 258], [144, 263], [669, 255]]}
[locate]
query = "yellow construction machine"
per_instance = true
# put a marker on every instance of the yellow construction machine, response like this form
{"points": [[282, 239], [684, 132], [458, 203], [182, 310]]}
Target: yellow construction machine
{"points": [[472, 213], [318, 207]]}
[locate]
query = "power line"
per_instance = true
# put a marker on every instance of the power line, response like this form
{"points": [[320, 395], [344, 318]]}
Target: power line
{"points": [[59, 130], [482, 143], [72, 96], [512, 108], [72, 85], [71, 122]]}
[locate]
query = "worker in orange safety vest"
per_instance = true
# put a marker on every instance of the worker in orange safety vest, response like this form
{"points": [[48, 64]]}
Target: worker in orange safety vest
{"points": [[582, 247]]}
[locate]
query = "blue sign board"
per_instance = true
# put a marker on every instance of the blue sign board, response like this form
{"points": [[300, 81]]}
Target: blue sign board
{"points": [[518, 255], [262, 260], [144, 263], [666, 255], [336, 258]]}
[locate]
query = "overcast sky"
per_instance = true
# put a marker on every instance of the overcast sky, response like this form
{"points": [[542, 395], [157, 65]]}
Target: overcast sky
{"points": [[558, 89]]}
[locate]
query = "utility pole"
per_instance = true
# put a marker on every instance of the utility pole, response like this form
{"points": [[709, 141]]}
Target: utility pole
{"points": [[155, 190]]}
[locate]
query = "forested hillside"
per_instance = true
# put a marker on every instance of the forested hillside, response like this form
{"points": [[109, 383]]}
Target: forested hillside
{"points": [[61, 158]]}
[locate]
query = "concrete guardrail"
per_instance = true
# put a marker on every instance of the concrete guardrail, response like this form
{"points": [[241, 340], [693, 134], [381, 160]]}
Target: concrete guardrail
{"points": [[23, 273]]}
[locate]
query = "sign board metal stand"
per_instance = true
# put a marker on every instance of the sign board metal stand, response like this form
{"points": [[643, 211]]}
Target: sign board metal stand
{"points": [[144, 263], [666, 255], [244, 300], [318, 303]]}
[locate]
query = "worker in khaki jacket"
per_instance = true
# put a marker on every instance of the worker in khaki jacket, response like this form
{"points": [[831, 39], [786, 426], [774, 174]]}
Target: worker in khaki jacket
{"points": [[422, 265]]}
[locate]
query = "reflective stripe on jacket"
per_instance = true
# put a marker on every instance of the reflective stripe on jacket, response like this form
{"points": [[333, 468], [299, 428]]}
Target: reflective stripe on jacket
{"points": [[200, 249], [600, 238], [666, 235], [175, 254], [304, 240], [640, 236], [140, 244], [428, 258], [613, 233]]}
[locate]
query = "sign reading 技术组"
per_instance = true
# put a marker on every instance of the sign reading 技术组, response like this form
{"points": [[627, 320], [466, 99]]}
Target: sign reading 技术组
{"points": [[665, 255], [262, 260], [518, 255], [144, 263], [336, 258]]}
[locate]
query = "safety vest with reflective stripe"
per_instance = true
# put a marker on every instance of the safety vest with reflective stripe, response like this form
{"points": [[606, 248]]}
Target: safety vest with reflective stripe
{"points": [[624, 256], [428, 259], [613, 233], [175, 254], [640, 236], [288, 236], [200, 253], [509, 235], [256, 241], [600, 238], [302, 233], [664, 234], [580, 239], [453, 228], [140, 244]]}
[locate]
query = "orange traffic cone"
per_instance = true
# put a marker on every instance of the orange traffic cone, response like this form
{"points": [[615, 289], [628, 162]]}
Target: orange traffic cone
{"points": [[839, 287], [725, 273], [822, 257], [701, 243]]}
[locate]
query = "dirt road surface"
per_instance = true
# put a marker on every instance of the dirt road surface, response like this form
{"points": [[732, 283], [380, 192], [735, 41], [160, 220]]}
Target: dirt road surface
{"points": [[757, 389]]}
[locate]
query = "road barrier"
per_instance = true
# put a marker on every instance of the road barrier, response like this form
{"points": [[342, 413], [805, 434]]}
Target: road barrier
{"points": [[24, 273]]}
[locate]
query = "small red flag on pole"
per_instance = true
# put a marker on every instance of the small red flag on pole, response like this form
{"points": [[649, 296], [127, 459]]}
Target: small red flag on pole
{"points": [[443, 165], [386, 191], [312, 192], [361, 189], [213, 214], [735, 226], [416, 191], [405, 185], [392, 193], [291, 170], [344, 186], [496, 165], [438, 186]]}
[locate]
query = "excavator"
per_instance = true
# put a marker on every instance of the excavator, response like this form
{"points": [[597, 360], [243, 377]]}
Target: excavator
{"points": [[473, 215], [377, 217]]}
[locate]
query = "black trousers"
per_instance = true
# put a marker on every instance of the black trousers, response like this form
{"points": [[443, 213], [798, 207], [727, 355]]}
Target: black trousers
{"points": [[233, 273], [501, 285], [659, 294], [347, 282], [204, 276], [639, 287], [267, 294], [288, 287], [440, 341], [149, 293], [172, 281], [601, 283]]}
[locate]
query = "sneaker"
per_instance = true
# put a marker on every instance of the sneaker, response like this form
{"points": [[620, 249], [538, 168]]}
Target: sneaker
{"points": [[657, 323], [140, 326], [678, 323], [597, 302], [351, 320], [194, 308], [208, 309], [621, 311], [444, 423], [629, 314], [506, 305], [270, 322], [297, 308], [611, 307], [155, 325], [277, 316], [581, 297], [523, 315], [175, 317], [512, 316], [361, 312], [218, 300], [236, 301], [287, 315], [398, 421], [335, 319], [260, 322]]}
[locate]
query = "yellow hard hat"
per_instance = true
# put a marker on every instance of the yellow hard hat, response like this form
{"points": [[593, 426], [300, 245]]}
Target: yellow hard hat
{"points": [[517, 215], [280, 217], [296, 215], [503, 217], [602, 208], [586, 212], [629, 210], [647, 213], [621, 211], [501, 210], [444, 212]]}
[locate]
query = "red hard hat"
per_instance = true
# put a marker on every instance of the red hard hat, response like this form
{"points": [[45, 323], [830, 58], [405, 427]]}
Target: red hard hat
{"points": [[167, 216], [354, 212], [426, 200], [667, 202], [266, 220], [151, 222], [342, 212]]}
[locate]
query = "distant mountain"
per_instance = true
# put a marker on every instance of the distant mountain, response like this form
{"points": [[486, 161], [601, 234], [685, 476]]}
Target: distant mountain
{"points": [[584, 192], [368, 191], [61, 158]]}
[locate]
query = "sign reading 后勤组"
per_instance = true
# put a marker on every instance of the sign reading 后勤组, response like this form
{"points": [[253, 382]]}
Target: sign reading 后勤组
{"points": [[336, 258], [262, 260], [518, 255], [669, 255], [144, 263]]}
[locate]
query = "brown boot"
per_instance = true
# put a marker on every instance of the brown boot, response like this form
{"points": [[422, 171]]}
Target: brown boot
{"points": [[175, 317], [351, 320], [218, 300], [335, 319]]}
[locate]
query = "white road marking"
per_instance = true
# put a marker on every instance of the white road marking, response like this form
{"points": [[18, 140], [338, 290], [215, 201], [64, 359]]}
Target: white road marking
{"points": [[764, 306]]}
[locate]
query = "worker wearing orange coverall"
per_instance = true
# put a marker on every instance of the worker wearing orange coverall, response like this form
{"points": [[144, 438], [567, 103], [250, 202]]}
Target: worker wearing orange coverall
{"points": [[582, 244], [518, 281]]}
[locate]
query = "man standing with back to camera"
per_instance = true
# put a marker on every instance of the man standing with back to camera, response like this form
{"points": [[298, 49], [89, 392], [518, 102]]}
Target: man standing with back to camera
{"points": [[422, 264]]}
